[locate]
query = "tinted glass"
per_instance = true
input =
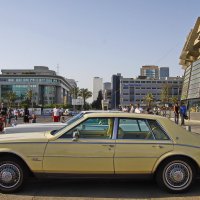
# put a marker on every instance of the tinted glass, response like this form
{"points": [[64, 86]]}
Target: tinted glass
{"points": [[134, 129], [92, 128], [157, 130]]}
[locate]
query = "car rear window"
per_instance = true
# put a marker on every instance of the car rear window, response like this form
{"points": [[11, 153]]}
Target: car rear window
{"points": [[134, 129]]}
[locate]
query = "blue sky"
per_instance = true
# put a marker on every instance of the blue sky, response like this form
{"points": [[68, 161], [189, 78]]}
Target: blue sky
{"points": [[89, 38]]}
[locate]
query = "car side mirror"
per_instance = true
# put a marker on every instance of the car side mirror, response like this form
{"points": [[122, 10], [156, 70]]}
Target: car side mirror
{"points": [[75, 135]]}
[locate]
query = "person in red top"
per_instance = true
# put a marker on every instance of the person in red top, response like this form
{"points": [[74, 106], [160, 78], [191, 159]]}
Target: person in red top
{"points": [[56, 114], [176, 113]]}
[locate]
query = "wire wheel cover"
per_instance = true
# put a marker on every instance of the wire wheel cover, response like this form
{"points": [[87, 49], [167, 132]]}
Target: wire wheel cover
{"points": [[177, 175], [9, 175]]}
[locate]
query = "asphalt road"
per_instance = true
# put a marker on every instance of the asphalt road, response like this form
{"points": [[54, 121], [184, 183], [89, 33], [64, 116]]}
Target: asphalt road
{"points": [[97, 190]]}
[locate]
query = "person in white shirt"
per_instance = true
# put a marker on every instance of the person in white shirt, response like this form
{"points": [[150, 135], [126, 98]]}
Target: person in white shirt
{"points": [[131, 108], [15, 112], [56, 114], [125, 109], [138, 109]]}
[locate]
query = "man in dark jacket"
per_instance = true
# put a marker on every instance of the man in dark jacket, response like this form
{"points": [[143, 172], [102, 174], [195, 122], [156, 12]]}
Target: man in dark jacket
{"points": [[176, 113], [183, 113]]}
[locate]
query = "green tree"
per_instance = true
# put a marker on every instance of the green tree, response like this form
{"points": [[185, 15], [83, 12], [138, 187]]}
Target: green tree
{"points": [[149, 99], [74, 92], [29, 97], [174, 99], [164, 96], [85, 94], [11, 97]]}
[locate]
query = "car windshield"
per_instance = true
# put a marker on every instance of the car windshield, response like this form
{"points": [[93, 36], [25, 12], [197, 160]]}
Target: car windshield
{"points": [[68, 122]]}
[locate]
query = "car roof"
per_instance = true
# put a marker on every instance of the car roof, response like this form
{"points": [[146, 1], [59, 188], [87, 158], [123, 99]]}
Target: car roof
{"points": [[122, 114], [101, 111]]}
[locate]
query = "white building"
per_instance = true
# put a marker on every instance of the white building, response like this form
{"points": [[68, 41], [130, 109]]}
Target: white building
{"points": [[134, 90], [97, 86]]}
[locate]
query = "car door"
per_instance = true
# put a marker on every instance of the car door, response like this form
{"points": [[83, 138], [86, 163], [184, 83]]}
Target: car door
{"points": [[139, 144], [88, 148]]}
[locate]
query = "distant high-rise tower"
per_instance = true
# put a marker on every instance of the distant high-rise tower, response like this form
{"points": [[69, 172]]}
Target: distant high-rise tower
{"points": [[107, 86], [115, 90], [97, 86], [150, 71], [164, 72]]}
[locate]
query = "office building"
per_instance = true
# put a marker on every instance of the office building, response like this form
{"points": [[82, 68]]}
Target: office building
{"points": [[46, 86], [190, 61], [107, 86], [164, 72], [115, 91], [134, 90], [150, 71], [97, 86]]}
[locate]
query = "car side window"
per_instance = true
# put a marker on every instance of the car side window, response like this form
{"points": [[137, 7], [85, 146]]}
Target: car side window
{"points": [[134, 129], [92, 128], [157, 130]]}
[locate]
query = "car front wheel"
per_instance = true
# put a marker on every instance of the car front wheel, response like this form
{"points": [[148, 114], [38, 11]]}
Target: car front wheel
{"points": [[176, 175], [12, 176]]}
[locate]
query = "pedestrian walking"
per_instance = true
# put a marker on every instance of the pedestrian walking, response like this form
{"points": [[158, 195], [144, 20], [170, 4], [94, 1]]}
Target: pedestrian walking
{"points": [[155, 110], [9, 116], [3, 112], [33, 118], [176, 113], [56, 114], [138, 109], [15, 112], [125, 109], [183, 113], [26, 115], [131, 108]]}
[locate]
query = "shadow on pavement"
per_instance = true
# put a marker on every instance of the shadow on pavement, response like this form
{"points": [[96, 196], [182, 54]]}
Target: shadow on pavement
{"points": [[102, 189]]}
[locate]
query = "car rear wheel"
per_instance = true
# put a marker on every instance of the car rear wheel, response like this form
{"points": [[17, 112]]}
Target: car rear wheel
{"points": [[12, 176], [176, 175]]}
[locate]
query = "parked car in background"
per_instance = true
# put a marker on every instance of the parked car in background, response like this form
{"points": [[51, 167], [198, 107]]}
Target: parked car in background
{"points": [[105, 144], [70, 112], [38, 127]]}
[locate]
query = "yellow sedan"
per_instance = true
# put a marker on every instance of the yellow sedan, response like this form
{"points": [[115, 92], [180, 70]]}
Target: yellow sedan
{"points": [[104, 144]]}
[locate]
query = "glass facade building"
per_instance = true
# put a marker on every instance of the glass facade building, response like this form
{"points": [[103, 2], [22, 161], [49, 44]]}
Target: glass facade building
{"points": [[190, 61], [150, 71], [164, 72], [46, 86], [191, 85], [115, 91]]}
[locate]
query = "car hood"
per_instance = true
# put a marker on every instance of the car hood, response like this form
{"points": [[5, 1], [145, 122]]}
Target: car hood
{"points": [[35, 127], [24, 137]]}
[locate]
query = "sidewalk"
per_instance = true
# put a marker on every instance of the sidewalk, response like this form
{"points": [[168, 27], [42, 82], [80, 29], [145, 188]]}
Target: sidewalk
{"points": [[193, 123]]}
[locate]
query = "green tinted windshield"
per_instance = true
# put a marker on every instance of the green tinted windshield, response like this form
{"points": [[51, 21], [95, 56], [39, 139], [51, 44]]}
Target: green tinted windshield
{"points": [[68, 122]]}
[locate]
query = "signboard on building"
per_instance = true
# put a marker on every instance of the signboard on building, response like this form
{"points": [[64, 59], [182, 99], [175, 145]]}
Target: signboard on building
{"points": [[77, 102], [47, 111], [36, 111]]}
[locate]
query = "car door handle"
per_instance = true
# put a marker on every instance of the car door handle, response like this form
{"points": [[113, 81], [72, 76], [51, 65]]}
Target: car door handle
{"points": [[158, 146], [108, 145]]}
